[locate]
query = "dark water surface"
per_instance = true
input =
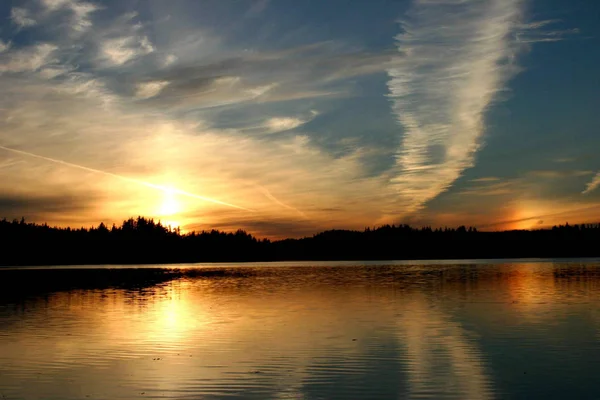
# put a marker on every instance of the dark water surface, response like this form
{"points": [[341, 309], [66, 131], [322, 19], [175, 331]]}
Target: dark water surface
{"points": [[477, 330]]}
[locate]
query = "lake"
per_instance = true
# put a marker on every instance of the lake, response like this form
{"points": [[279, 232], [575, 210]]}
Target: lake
{"points": [[505, 329]]}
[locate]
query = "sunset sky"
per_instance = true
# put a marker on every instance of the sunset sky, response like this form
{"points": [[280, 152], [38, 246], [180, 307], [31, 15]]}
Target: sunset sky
{"points": [[287, 117]]}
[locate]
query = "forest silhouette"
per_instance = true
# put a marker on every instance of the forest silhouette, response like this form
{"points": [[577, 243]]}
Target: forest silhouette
{"points": [[144, 241]]}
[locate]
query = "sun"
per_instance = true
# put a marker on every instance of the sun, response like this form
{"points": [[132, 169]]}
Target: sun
{"points": [[170, 204]]}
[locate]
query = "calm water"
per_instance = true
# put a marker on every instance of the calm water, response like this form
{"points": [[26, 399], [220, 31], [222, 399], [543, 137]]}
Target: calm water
{"points": [[508, 330]]}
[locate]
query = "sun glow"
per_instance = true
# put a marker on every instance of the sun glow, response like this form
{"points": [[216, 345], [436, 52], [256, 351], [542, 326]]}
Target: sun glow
{"points": [[174, 316], [526, 216], [170, 204]]}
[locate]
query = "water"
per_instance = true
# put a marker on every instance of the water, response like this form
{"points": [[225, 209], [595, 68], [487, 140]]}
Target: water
{"points": [[477, 330]]}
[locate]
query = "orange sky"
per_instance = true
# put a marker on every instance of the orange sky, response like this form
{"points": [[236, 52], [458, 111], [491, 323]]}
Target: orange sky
{"points": [[204, 120]]}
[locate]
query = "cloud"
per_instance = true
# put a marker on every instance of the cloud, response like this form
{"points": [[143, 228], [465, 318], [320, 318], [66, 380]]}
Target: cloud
{"points": [[536, 181], [81, 86], [53, 71], [301, 72], [81, 11], [550, 174], [16, 206], [486, 179], [21, 17], [169, 59], [118, 51], [277, 228], [565, 159], [4, 46], [274, 175], [454, 58], [593, 184], [283, 123], [56, 4], [209, 92], [149, 89], [493, 188], [81, 15], [280, 124], [534, 33], [196, 113], [28, 59], [550, 213]]}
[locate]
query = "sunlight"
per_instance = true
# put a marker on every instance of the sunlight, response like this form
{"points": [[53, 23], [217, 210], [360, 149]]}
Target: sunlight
{"points": [[170, 204], [172, 224], [531, 291], [174, 316], [168, 316], [526, 217]]}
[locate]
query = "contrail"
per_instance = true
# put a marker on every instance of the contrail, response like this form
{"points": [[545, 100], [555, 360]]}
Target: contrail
{"points": [[268, 194], [126, 179]]}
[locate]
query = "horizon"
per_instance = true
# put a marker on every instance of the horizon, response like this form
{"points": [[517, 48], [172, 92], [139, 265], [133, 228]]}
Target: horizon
{"points": [[181, 232], [244, 115]]}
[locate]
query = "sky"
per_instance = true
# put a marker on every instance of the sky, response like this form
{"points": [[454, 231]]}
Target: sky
{"points": [[286, 117]]}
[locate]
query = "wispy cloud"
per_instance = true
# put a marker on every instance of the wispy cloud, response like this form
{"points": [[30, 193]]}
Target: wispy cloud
{"points": [[56, 4], [493, 188], [27, 59], [53, 71], [181, 102], [21, 17], [486, 179], [283, 123], [23, 204], [455, 56], [565, 159], [551, 174], [80, 20], [146, 90], [169, 59], [541, 180], [539, 32], [280, 124], [81, 15], [4, 46], [273, 174], [118, 51], [301, 72], [593, 184]]}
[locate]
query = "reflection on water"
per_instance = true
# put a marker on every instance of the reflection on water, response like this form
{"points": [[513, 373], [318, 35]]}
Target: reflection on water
{"points": [[470, 331]]}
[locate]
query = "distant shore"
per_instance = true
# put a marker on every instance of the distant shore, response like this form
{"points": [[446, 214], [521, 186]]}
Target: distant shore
{"points": [[143, 241]]}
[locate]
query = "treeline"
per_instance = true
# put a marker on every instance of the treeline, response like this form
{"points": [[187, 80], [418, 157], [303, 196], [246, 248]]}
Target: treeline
{"points": [[144, 241], [136, 241]]}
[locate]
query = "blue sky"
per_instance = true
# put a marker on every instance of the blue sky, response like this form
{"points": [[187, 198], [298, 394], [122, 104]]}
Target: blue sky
{"points": [[286, 117]]}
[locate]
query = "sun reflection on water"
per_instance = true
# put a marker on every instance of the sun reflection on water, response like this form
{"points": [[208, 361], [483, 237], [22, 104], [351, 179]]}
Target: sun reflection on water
{"points": [[307, 332]]}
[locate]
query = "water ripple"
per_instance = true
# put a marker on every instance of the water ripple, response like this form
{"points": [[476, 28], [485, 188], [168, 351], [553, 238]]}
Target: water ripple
{"points": [[291, 331]]}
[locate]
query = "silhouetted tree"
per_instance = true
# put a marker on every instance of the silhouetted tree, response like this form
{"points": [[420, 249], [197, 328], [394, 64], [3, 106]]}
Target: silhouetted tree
{"points": [[141, 240]]}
